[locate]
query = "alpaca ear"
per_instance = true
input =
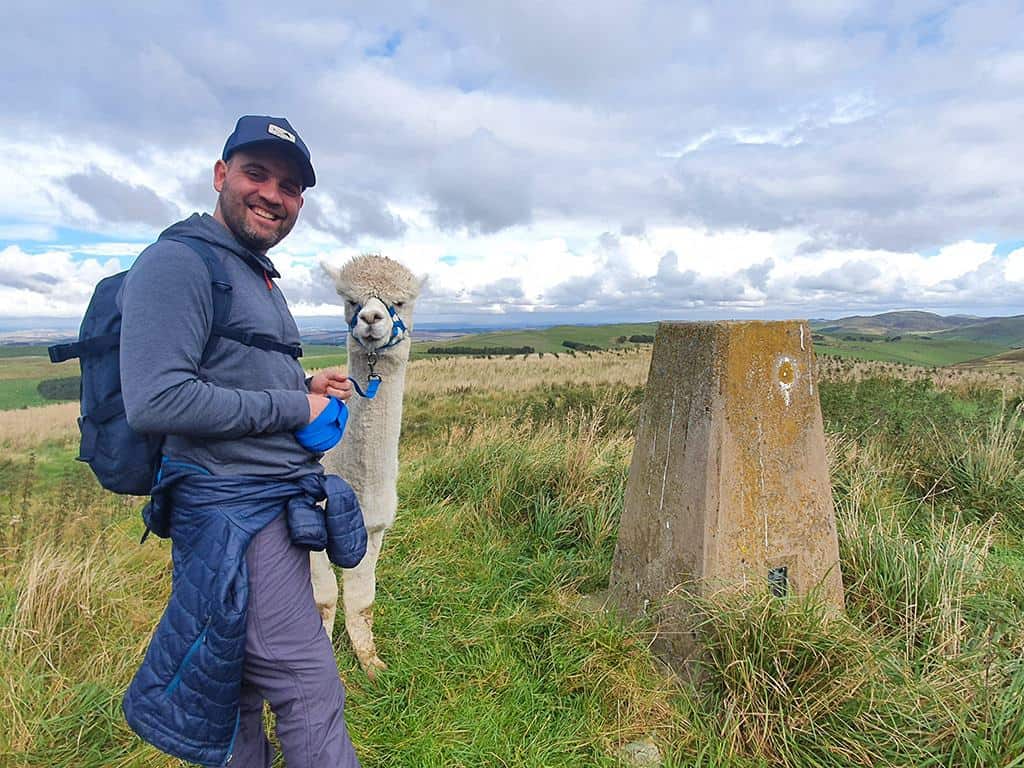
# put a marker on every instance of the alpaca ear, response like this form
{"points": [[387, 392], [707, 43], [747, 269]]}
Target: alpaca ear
{"points": [[332, 272]]}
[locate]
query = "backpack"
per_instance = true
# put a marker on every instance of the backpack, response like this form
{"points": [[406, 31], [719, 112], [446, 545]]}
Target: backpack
{"points": [[123, 460]]}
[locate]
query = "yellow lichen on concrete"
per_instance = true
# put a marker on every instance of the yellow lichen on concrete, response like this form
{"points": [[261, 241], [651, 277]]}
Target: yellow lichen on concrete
{"points": [[775, 499]]}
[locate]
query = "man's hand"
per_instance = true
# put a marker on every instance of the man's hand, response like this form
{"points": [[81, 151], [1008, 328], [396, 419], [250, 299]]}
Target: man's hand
{"points": [[331, 383], [317, 403]]}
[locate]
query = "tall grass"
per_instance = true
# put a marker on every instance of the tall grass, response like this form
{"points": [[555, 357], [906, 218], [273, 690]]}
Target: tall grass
{"points": [[914, 586], [927, 583], [73, 628], [984, 471], [796, 684], [512, 481], [562, 483], [516, 374], [25, 428]]}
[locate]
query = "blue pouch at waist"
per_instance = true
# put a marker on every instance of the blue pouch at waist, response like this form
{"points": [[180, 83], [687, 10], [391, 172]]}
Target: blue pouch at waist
{"points": [[326, 429]]}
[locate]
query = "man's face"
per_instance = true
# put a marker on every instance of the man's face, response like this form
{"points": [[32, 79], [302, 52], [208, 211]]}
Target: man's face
{"points": [[260, 196]]}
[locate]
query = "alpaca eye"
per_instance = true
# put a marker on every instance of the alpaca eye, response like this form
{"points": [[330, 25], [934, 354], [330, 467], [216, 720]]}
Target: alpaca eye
{"points": [[399, 304]]}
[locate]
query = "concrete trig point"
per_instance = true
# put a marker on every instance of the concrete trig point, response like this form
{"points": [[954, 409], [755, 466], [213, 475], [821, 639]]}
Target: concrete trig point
{"points": [[729, 482]]}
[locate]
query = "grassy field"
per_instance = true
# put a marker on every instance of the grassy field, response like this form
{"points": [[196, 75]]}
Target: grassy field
{"points": [[920, 350], [1008, 331], [548, 340], [512, 477], [315, 356], [22, 350], [1011, 362], [913, 350], [21, 374]]}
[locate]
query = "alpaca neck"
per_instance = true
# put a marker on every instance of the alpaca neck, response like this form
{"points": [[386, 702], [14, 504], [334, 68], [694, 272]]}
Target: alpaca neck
{"points": [[372, 457]]}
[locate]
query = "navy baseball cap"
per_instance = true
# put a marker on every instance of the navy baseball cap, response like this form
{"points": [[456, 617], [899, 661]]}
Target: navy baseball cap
{"points": [[275, 131]]}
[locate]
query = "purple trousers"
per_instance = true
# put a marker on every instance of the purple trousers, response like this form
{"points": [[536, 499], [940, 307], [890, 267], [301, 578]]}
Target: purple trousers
{"points": [[290, 663]]}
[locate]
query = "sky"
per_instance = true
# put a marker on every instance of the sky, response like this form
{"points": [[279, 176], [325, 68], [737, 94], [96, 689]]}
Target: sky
{"points": [[538, 162]]}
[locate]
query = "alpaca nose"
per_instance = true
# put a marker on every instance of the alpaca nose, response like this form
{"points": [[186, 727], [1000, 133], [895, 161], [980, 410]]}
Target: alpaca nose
{"points": [[371, 315]]}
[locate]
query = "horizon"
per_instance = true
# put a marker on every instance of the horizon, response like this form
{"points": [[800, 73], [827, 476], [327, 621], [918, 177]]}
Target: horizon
{"points": [[308, 324]]}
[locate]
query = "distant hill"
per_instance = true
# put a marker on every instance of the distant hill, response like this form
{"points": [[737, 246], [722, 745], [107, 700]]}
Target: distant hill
{"points": [[889, 323], [998, 331], [920, 338], [1008, 331], [1008, 362]]}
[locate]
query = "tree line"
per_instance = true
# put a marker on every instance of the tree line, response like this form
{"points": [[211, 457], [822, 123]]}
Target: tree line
{"points": [[525, 350]]}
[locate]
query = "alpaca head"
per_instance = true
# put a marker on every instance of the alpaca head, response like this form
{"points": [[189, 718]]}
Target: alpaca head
{"points": [[369, 284]]}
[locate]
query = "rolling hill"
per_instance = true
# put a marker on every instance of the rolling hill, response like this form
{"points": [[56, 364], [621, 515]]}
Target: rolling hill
{"points": [[888, 323], [1008, 331]]}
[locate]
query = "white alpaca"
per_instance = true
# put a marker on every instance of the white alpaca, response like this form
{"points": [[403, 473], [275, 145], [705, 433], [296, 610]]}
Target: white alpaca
{"points": [[367, 457]]}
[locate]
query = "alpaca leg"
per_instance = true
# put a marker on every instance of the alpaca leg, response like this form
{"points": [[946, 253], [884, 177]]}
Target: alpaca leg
{"points": [[325, 588], [358, 595]]}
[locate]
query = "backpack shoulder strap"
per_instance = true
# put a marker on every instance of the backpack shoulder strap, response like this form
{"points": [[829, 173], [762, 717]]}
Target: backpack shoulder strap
{"points": [[222, 306], [221, 288], [95, 345]]}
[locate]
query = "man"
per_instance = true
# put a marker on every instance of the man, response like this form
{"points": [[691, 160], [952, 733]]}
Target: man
{"points": [[230, 411]]}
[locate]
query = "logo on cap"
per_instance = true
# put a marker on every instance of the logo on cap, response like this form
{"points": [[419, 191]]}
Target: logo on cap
{"points": [[280, 132]]}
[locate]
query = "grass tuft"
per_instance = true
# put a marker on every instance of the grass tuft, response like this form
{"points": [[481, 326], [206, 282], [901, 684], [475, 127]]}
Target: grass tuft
{"points": [[981, 470]]}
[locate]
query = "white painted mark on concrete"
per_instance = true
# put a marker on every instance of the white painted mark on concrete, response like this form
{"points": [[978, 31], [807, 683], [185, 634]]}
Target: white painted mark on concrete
{"points": [[786, 374], [760, 479], [668, 450]]}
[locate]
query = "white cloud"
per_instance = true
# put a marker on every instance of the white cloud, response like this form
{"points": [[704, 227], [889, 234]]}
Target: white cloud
{"points": [[114, 250], [1014, 267], [51, 283], [27, 232], [799, 153]]}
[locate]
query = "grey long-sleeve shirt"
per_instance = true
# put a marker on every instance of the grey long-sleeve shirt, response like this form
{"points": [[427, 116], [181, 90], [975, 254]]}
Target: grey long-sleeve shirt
{"points": [[235, 414]]}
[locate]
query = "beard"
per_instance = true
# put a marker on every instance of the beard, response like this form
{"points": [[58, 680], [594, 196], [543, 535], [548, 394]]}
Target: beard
{"points": [[237, 216]]}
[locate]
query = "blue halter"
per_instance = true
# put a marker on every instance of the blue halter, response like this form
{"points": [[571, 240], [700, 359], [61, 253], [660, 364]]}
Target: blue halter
{"points": [[397, 329]]}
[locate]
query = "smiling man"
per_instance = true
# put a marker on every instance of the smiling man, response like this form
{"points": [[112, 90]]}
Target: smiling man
{"points": [[208, 359], [260, 194]]}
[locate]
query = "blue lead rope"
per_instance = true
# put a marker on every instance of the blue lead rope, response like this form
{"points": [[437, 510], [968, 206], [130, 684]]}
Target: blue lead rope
{"points": [[372, 385]]}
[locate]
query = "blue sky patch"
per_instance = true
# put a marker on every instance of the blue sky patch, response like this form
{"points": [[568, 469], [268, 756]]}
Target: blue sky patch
{"points": [[1008, 247], [77, 238], [928, 29], [387, 48]]}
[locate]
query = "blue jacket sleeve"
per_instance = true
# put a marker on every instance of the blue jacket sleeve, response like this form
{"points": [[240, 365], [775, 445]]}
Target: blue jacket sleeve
{"points": [[167, 314]]}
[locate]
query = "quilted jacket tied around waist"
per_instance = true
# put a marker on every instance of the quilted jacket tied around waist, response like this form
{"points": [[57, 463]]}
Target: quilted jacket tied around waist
{"points": [[184, 699]]}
